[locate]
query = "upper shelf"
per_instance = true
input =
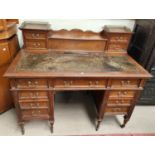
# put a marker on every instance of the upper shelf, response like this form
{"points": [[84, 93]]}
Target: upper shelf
{"points": [[76, 34]]}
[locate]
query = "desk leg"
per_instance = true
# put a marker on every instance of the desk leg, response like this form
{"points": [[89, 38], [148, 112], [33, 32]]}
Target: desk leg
{"points": [[20, 121], [127, 117], [101, 102], [21, 124], [51, 120]]}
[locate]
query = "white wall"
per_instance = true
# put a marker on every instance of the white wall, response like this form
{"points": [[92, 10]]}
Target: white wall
{"points": [[95, 25]]}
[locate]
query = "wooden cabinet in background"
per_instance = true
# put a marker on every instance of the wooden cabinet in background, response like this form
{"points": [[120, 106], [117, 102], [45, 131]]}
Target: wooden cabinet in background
{"points": [[8, 49]]}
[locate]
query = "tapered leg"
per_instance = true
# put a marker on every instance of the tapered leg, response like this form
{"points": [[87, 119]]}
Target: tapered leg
{"points": [[98, 124], [51, 126], [21, 124], [126, 119]]}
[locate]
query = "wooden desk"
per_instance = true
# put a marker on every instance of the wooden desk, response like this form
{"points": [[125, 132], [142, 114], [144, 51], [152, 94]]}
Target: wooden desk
{"points": [[35, 77], [74, 60]]}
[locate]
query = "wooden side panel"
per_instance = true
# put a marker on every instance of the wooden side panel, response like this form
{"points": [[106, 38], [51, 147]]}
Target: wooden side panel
{"points": [[81, 45]]}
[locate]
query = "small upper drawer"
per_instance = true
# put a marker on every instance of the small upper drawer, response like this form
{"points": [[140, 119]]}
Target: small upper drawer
{"points": [[90, 83], [125, 83], [4, 53], [35, 44], [119, 38], [35, 35], [117, 46], [31, 83]]}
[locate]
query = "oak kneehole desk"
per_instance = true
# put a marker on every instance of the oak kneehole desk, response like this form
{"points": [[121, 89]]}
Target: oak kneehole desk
{"points": [[116, 80]]}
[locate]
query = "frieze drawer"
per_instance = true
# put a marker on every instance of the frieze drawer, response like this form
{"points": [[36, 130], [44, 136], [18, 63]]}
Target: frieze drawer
{"points": [[90, 83], [125, 83], [31, 83]]}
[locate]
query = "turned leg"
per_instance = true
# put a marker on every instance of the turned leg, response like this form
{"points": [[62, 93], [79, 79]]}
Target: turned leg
{"points": [[51, 126], [21, 124], [98, 124], [126, 119]]}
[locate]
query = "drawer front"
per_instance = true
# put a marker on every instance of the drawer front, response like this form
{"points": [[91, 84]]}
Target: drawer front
{"points": [[4, 54], [117, 46], [122, 94], [34, 105], [31, 83], [119, 102], [125, 83], [30, 95], [35, 44], [35, 113], [117, 110], [119, 38], [34, 35], [90, 83]]}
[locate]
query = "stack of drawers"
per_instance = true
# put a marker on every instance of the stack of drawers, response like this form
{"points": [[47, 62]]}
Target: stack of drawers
{"points": [[122, 95], [35, 38], [118, 38], [34, 100]]}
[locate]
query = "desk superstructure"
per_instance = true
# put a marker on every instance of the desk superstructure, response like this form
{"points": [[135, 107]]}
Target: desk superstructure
{"points": [[73, 60]]}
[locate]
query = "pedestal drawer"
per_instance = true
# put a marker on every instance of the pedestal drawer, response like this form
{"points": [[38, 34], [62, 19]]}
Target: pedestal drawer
{"points": [[122, 94], [116, 110], [35, 113], [119, 102], [29, 95], [34, 105]]}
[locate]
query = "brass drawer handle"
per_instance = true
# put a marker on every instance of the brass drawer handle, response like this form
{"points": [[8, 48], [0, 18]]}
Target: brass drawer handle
{"points": [[96, 82], [128, 82], [125, 93], [36, 82], [122, 82], [37, 35], [71, 82], [90, 83], [65, 83], [29, 82]]}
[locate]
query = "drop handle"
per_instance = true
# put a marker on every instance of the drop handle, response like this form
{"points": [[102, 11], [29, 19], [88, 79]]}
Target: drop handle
{"points": [[90, 83], [96, 82]]}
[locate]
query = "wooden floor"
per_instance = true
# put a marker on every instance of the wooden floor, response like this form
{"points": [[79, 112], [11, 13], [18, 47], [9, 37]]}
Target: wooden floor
{"points": [[74, 115]]}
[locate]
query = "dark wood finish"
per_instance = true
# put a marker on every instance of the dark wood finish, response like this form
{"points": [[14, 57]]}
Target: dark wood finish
{"points": [[74, 60]]}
